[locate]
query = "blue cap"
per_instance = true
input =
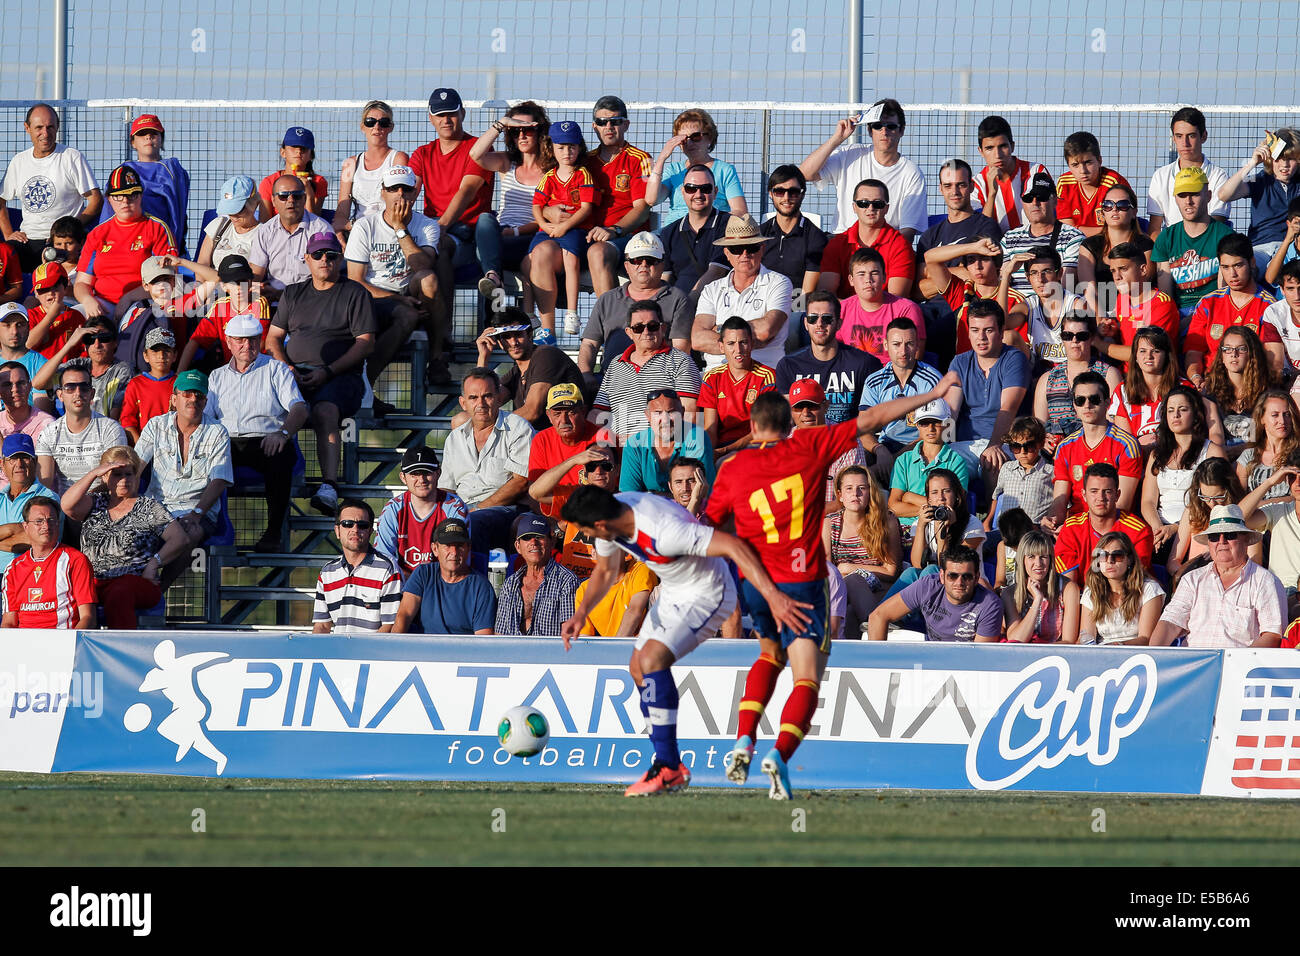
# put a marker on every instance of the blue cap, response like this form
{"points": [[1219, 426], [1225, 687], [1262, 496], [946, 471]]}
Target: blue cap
{"points": [[530, 523], [444, 100], [566, 132], [234, 194], [19, 444], [299, 136]]}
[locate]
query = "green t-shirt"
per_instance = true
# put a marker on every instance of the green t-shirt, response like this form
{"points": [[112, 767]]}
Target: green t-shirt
{"points": [[910, 471], [1193, 262]]}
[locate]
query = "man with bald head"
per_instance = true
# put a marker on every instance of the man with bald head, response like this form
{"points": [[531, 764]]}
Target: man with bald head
{"points": [[46, 182], [278, 255]]}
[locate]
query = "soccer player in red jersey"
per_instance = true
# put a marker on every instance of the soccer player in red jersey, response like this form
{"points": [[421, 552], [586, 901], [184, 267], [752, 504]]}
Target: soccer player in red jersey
{"points": [[1240, 302], [775, 490], [50, 585], [1080, 534]]}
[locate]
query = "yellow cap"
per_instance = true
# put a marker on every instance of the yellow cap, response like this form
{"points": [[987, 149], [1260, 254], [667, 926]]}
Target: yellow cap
{"points": [[566, 393], [1190, 179]]}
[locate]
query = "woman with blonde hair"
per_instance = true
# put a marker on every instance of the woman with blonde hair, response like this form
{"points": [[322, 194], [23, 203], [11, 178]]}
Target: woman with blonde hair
{"points": [[127, 537], [863, 542], [1042, 607], [697, 135], [1276, 422], [1121, 603], [362, 177]]}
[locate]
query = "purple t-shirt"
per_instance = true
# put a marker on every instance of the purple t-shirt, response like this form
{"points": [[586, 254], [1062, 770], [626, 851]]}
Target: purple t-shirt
{"points": [[945, 621]]}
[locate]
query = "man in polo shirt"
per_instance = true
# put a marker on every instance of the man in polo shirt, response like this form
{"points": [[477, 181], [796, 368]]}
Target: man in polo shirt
{"points": [[50, 585], [485, 461], [19, 466], [648, 363], [191, 463], [358, 592], [841, 370], [1187, 129], [1186, 252], [278, 257], [257, 399], [325, 329], [457, 191], [1231, 602], [960, 224], [845, 166], [407, 523], [620, 184], [446, 596], [537, 367], [871, 200], [690, 244], [1078, 536], [797, 250], [650, 453], [607, 325], [752, 291], [904, 375], [538, 598], [559, 453], [1042, 228], [1241, 302]]}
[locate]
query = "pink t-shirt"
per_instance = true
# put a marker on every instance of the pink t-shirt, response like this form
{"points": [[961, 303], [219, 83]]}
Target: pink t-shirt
{"points": [[866, 330]]}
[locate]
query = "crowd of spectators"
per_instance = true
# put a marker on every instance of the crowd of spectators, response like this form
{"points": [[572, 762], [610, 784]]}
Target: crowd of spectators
{"points": [[1117, 462]]}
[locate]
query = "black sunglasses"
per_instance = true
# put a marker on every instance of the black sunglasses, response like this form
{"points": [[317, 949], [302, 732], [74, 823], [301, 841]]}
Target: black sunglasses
{"points": [[599, 466], [611, 121], [644, 260], [1123, 205], [326, 254], [1214, 536], [694, 137], [889, 127], [645, 327], [349, 523], [870, 203], [383, 122], [103, 337], [750, 250], [705, 188], [779, 191], [1075, 336], [1022, 446], [291, 196], [1082, 400], [819, 318]]}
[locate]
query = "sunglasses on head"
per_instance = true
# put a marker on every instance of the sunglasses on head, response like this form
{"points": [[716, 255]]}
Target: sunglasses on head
{"points": [[1082, 400], [327, 254], [1215, 536], [611, 121], [652, 326], [1016, 446], [349, 522], [1075, 336], [292, 195], [870, 203], [888, 127], [705, 188], [1123, 205], [780, 191], [383, 122]]}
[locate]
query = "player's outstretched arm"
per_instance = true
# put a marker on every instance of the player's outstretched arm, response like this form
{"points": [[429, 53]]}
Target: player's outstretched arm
{"points": [[598, 585], [785, 610], [876, 417]]}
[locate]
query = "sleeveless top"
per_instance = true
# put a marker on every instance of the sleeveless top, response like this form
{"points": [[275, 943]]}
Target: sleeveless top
{"points": [[846, 549], [516, 203], [1061, 419], [1173, 484], [368, 185], [1044, 337], [1260, 473]]}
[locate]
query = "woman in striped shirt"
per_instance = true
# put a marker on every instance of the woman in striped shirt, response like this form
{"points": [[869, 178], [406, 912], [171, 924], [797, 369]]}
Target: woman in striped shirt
{"points": [[863, 541]]}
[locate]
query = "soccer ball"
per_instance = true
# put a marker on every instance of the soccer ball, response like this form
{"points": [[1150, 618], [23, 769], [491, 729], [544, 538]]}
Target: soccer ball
{"points": [[523, 731]]}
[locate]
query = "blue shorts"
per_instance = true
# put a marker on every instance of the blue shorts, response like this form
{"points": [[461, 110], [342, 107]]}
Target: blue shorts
{"points": [[816, 593], [575, 241]]}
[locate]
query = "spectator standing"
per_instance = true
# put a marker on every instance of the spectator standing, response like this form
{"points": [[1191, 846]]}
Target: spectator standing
{"points": [[536, 599], [446, 596], [622, 172], [50, 585], [359, 591], [408, 522]]}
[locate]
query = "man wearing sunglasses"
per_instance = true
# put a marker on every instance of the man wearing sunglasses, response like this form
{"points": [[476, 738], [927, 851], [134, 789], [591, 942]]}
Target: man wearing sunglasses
{"points": [[751, 291], [849, 165], [953, 604], [871, 202], [279, 251], [1078, 536], [839, 369], [358, 592], [1042, 228], [72, 444], [1231, 602], [797, 250], [690, 244], [108, 377], [649, 362], [325, 329], [1097, 440], [620, 184]]}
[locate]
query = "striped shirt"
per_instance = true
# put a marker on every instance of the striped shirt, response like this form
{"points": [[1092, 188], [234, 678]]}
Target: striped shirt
{"points": [[178, 483], [624, 388], [1068, 242], [552, 604], [360, 598], [254, 403], [883, 386]]}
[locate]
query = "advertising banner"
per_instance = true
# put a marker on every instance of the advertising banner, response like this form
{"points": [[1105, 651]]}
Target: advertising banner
{"points": [[37, 689], [1255, 750], [418, 707]]}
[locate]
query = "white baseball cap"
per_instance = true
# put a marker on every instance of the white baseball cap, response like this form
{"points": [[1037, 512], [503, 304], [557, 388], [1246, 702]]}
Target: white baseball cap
{"points": [[245, 325], [935, 410], [644, 244], [399, 176]]}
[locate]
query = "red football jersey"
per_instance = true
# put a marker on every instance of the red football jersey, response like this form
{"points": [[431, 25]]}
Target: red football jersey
{"points": [[775, 490], [146, 397], [958, 295], [733, 399], [1074, 455], [1217, 313], [620, 183], [211, 330], [48, 593], [115, 251], [1083, 210], [566, 194], [64, 324], [1078, 539], [1159, 310]]}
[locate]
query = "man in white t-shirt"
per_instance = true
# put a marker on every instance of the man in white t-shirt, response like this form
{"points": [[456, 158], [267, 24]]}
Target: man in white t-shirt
{"points": [[758, 295], [846, 167], [392, 253], [1189, 136], [70, 446], [1284, 315], [47, 181]]}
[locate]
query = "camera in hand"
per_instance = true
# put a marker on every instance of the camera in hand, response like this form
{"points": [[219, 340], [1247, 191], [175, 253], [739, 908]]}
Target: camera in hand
{"points": [[942, 514]]}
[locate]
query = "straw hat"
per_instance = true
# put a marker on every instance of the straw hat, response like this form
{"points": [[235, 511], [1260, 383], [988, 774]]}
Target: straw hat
{"points": [[742, 231]]}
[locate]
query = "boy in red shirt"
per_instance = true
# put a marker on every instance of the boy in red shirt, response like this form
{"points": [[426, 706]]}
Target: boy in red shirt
{"points": [[1080, 191], [1242, 302], [50, 319], [242, 296], [149, 394], [1137, 304]]}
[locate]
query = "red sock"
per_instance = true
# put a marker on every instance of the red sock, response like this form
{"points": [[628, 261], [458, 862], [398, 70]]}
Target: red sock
{"points": [[758, 691], [796, 717]]}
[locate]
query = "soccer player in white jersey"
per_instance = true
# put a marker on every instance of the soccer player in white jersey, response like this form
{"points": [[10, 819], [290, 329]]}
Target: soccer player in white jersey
{"points": [[696, 594]]}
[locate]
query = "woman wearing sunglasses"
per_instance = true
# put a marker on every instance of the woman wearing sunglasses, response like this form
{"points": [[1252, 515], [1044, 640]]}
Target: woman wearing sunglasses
{"points": [[1214, 483], [1182, 443], [502, 238], [361, 179], [1053, 403], [1042, 607], [1121, 603], [1119, 224], [697, 135]]}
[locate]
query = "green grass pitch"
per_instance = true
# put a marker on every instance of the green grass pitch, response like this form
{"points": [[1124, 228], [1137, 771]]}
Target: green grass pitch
{"points": [[121, 819]]}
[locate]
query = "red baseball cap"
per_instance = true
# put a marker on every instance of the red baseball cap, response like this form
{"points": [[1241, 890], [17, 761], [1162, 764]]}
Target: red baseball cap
{"points": [[147, 121], [47, 276], [805, 391]]}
